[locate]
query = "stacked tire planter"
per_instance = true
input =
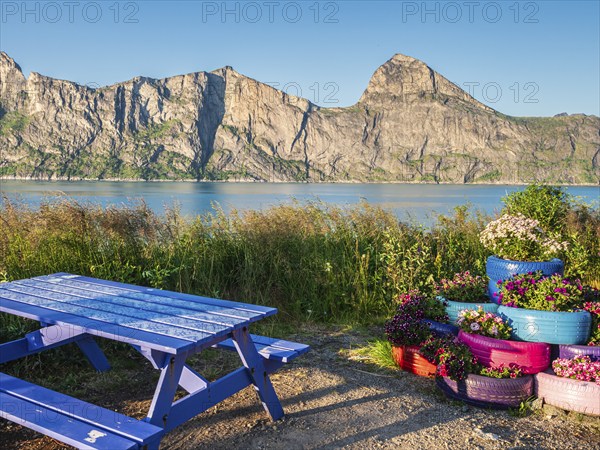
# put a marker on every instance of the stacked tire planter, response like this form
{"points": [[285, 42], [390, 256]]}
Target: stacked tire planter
{"points": [[533, 332], [538, 337], [409, 359], [499, 269]]}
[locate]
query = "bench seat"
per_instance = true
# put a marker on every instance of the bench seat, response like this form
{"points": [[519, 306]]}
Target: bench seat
{"points": [[271, 348], [72, 421]]}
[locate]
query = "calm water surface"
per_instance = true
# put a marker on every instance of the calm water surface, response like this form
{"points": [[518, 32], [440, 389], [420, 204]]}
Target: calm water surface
{"points": [[421, 202]]}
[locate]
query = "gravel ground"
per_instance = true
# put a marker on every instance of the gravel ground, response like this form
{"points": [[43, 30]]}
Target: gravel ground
{"points": [[332, 401]]}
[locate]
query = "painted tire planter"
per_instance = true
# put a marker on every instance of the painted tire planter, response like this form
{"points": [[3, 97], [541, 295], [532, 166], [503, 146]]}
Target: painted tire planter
{"points": [[533, 357], [440, 329], [572, 351], [454, 308], [552, 327], [566, 393], [409, 359], [497, 393], [501, 269]]}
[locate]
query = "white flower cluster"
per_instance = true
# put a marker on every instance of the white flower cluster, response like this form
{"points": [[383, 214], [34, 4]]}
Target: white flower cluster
{"points": [[514, 230]]}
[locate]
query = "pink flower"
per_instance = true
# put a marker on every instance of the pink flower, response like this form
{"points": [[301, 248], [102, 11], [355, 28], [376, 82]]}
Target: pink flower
{"points": [[475, 326]]}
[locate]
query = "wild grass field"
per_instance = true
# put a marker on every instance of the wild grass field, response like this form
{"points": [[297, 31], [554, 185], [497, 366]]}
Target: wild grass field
{"points": [[314, 261]]}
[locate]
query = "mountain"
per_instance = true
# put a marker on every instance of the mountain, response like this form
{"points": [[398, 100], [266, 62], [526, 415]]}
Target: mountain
{"points": [[411, 124]]}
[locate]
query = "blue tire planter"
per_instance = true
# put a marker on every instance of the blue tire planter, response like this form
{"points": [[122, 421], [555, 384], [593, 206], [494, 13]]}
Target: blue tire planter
{"points": [[454, 308], [552, 327], [502, 269], [441, 329], [573, 351]]}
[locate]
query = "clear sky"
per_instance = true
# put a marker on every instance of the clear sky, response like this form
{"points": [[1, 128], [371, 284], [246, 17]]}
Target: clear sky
{"points": [[528, 58]]}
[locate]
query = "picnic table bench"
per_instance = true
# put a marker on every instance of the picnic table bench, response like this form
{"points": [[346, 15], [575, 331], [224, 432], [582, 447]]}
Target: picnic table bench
{"points": [[165, 327]]}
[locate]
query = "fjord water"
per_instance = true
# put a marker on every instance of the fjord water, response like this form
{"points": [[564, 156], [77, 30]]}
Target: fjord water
{"points": [[421, 202]]}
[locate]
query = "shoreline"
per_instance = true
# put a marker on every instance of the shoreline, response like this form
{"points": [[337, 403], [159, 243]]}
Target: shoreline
{"points": [[137, 180]]}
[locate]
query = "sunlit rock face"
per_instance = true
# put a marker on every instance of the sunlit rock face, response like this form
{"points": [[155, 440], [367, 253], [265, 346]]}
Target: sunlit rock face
{"points": [[411, 124]]}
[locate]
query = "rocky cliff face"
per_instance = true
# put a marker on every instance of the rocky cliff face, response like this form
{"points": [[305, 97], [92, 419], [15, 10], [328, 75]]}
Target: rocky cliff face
{"points": [[411, 124]]}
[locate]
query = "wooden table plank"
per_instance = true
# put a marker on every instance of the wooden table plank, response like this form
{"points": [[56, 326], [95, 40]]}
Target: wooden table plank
{"points": [[104, 316], [125, 306], [235, 306], [97, 328], [138, 300]]}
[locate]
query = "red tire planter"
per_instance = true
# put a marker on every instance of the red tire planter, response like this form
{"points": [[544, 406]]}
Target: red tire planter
{"points": [[497, 393], [409, 359], [573, 351], [533, 357], [566, 393]]}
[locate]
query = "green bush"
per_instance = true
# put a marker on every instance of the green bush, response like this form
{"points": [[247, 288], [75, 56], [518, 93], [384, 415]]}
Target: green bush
{"points": [[549, 205]]}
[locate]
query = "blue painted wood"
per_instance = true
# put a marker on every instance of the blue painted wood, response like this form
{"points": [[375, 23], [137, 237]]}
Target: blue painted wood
{"points": [[214, 312], [60, 427], [258, 372], [204, 320], [234, 306], [20, 348], [86, 308], [164, 394], [166, 327], [280, 343], [95, 327], [191, 380], [93, 353], [71, 420], [190, 406], [49, 335], [266, 351]]}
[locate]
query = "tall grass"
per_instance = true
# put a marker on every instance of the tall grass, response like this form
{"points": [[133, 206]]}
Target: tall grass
{"points": [[314, 261]]}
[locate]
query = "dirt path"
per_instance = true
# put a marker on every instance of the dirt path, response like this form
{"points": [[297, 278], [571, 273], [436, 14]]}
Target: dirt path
{"points": [[333, 402]]}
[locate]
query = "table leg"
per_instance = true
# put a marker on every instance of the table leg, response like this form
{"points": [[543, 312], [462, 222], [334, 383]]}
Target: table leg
{"points": [[260, 378], [170, 374], [93, 353]]}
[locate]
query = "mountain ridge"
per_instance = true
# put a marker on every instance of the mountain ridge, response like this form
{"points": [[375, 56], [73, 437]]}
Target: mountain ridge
{"points": [[411, 124]]}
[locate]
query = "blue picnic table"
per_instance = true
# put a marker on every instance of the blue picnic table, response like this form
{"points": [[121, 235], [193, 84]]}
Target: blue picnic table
{"points": [[165, 327]]}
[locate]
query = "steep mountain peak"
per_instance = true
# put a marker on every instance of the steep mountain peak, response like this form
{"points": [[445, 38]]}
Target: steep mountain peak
{"points": [[10, 71], [7, 61], [406, 78]]}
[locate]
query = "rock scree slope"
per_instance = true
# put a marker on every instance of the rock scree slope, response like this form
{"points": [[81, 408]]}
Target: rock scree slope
{"points": [[410, 125]]}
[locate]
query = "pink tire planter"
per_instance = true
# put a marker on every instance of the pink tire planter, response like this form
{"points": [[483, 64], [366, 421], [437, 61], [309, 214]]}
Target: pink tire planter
{"points": [[533, 357], [566, 393], [573, 351], [497, 393]]}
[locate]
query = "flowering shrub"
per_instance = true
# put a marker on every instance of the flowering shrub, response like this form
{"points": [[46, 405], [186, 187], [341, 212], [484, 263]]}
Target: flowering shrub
{"points": [[463, 287], [580, 368], [484, 323], [433, 308], [520, 238], [511, 371], [544, 293], [591, 298], [453, 359], [406, 327]]}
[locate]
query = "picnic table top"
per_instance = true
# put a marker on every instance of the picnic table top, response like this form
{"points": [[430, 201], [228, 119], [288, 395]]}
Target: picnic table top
{"points": [[157, 319]]}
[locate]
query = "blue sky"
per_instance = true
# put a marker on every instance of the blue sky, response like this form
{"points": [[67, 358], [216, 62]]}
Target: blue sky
{"points": [[528, 58]]}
